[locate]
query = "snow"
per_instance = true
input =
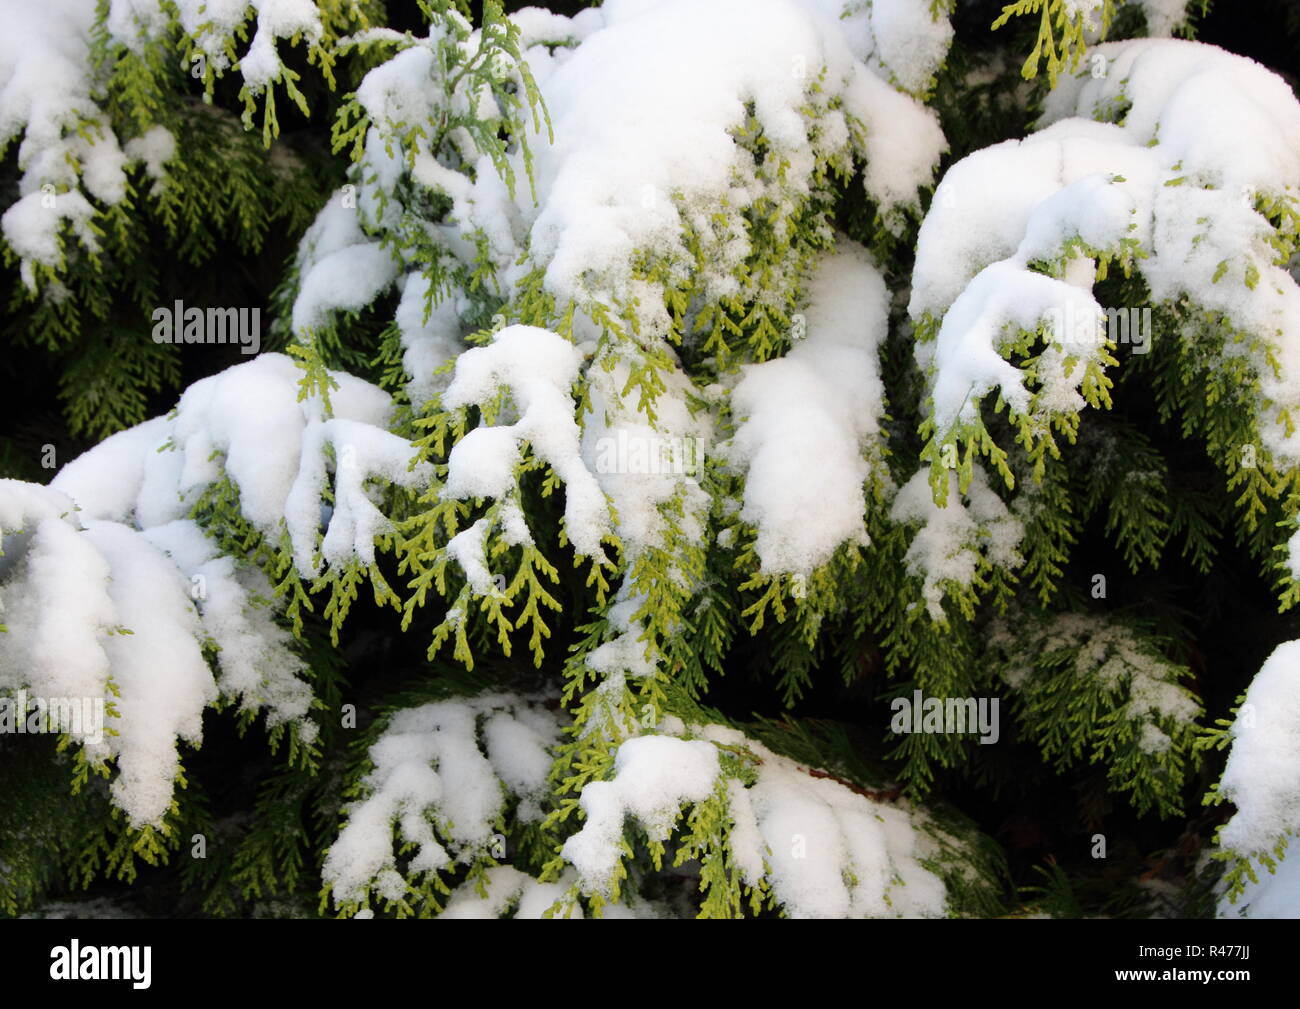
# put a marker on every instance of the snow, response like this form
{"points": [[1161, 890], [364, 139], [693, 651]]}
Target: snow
{"points": [[432, 783], [22, 502], [154, 148], [1202, 133], [1088, 12], [362, 450], [643, 149], [903, 41], [643, 156], [429, 343], [541, 27], [1113, 653], [46, 94], [57, 610], [1274, 894], [1163, 16], [276, 19], [625, 654], [339, 268], [946, 549], [159, 669], [32, 227], [808, 418], [95, 907], [468, 549], [518, 748], [106, 482], [654, 776], [49, 89], [825, 850], [394, 91], [250, 415], [1205, 108], [1006, 207], [248, 421], [645, 97], [1231, 128], [983, 203], [638, 493], [348, 279], [506, 888], [1260, 776], [258, 665], [109, 546], [537, 368], [134, 22], [968, 359], [213, 24]]}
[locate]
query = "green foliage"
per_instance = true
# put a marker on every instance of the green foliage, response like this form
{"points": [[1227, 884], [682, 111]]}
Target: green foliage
{"points": [[1098, 689], [1061, 26], [1090, 690]]}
